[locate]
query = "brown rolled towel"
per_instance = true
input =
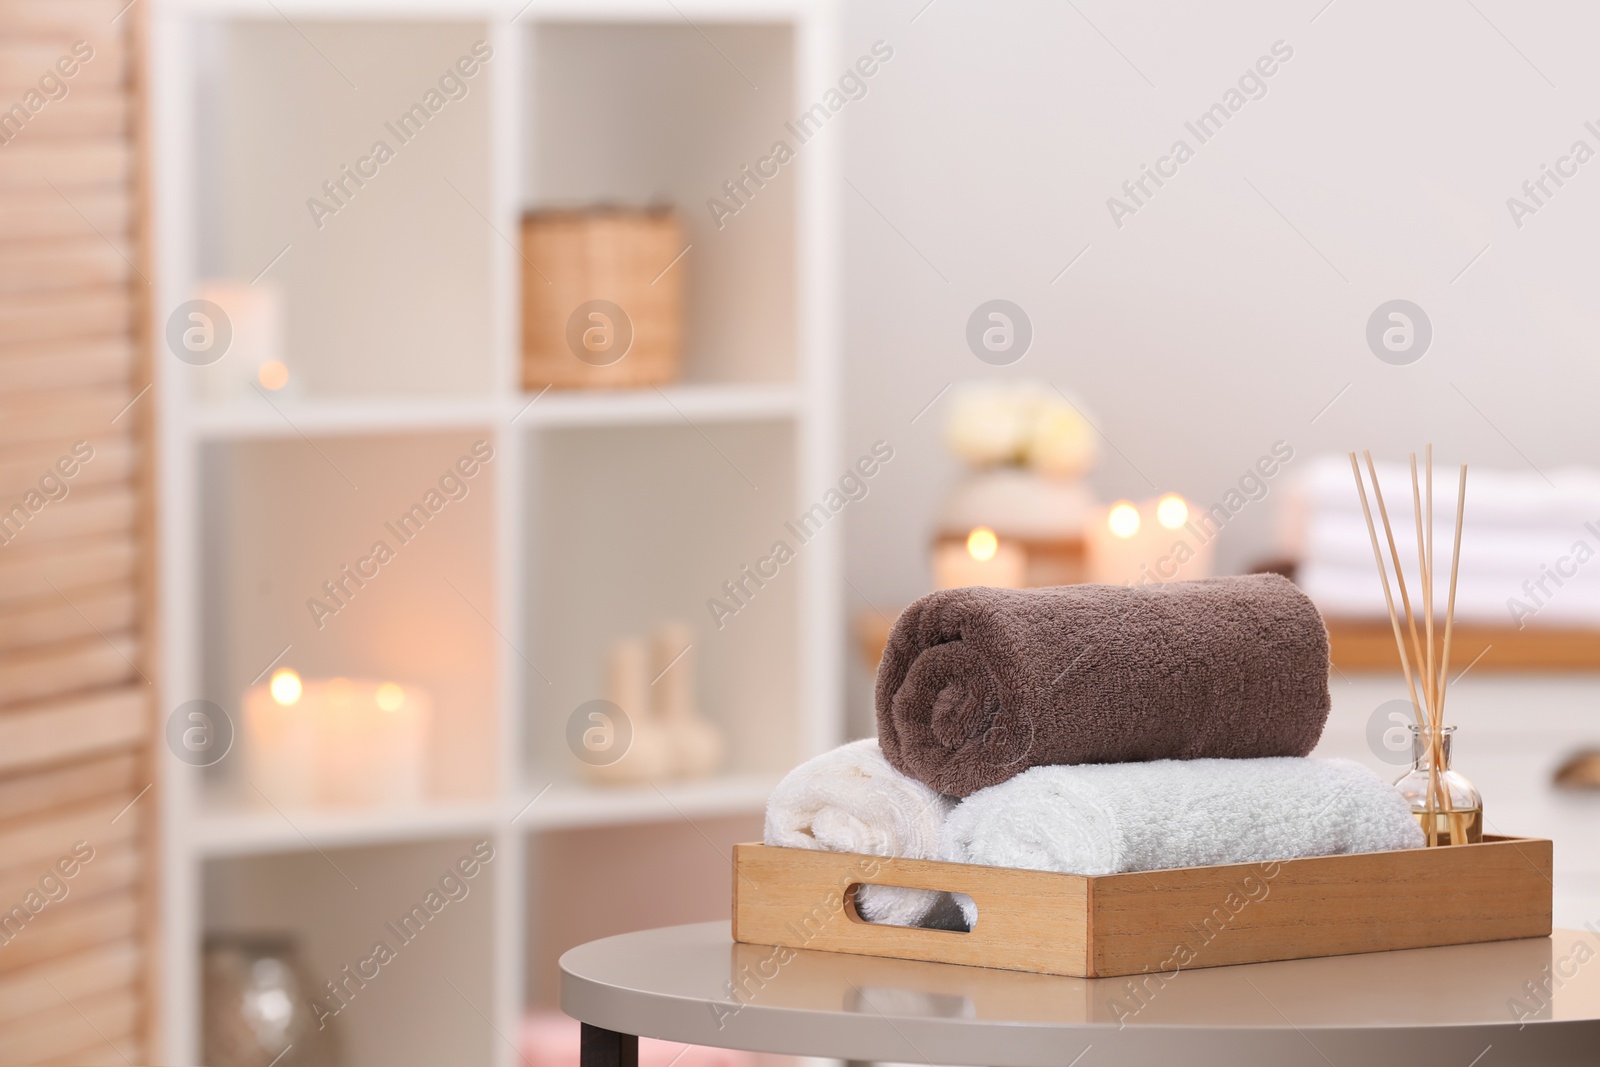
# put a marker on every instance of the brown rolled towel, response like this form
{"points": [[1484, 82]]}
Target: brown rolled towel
{"points": [[977, 685]]}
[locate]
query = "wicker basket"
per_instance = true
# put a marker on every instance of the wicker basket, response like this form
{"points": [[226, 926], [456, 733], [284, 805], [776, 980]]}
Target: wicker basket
{"points": [[601, 309]]}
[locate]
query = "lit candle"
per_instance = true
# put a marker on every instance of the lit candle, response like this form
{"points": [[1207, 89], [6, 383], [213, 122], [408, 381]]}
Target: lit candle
{"points": [[1153, 542], [281, 741], [253, 322], [336, 742], [982, 560], [273, 375]]}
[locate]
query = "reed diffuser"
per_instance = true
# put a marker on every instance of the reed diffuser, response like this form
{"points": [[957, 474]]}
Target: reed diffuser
{"points": [[1448, 806]]}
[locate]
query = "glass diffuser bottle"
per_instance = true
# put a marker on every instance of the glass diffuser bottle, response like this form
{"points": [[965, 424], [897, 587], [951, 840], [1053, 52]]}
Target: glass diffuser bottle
{"points": [[1447, 806]]}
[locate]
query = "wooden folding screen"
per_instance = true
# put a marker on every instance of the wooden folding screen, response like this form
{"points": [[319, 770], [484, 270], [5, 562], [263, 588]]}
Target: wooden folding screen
{"points": [[78, 717]]}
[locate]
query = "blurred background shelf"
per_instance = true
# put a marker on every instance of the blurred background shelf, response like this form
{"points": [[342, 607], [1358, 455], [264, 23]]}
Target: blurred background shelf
{"points": [[570, 807], [262, 830], [667, 406], [600, 514], [672, 405], [256, 419], [1368, 646], [1363, 646], [234, 827]]}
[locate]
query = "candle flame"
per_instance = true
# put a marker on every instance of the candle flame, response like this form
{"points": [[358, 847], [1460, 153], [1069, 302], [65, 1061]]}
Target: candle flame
{"points": [[1171, 511], [1123, 520], [390, 696], [982, 544], [285, 686], [272, 375]]}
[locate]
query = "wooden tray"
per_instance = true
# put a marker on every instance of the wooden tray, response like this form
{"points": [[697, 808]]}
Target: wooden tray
{"points": [[1159, 921]]}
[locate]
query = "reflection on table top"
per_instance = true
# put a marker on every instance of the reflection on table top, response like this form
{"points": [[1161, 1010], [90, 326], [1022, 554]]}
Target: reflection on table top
{"points": [[694, 984]]}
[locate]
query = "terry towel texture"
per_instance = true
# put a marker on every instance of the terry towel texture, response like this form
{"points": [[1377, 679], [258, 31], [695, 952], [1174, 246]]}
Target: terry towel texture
{"points": [[1111, 818], [851, 800], [978, 684]]}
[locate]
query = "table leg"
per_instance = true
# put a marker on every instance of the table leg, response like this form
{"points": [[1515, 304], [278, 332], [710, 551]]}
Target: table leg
{"points": [[607, 1048]]}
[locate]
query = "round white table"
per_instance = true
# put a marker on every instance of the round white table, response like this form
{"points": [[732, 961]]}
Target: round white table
{"points": [[1527, 1003]]}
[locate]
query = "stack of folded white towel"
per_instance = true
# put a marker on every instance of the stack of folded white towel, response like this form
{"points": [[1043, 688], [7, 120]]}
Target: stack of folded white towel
{"points": [[1084, 819], [1531, 555]]}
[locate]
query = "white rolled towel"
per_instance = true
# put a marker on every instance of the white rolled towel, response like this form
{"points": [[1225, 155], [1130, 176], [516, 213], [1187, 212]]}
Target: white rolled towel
{"points": [[850, 800], [1108, 818]]}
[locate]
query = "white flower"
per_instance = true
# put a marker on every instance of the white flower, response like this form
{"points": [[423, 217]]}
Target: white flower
{"points": [[1062, 443], [988, 425], [1019, 425]]}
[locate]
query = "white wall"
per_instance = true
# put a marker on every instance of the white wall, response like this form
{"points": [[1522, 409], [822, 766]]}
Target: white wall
{"points": [[1206, 327]]}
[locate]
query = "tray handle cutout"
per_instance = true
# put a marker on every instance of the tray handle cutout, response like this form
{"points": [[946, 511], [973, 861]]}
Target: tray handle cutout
{"points": [[947, 914]]}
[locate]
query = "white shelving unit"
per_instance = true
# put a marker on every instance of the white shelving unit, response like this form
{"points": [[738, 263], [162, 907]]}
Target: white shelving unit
{"points": [[601, 513], [645, 407]]}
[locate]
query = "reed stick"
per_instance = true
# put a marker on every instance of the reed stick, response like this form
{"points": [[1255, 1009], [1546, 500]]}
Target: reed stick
{"points": [[1436, 706], [1431, 656], [1399, 573], [1455, 567], [1431, 737], [1458, 827], [1432, 662], [1423, 666], [1438, 787], [1388, 597]]}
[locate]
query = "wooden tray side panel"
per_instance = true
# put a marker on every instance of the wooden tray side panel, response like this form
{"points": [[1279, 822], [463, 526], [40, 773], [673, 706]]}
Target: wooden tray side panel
{"points": [[795, 898], [1167, 921]]}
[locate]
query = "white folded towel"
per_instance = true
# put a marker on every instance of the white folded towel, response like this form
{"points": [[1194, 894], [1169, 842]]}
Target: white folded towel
{"points": [[1508, 499], [851, 800], [1107, 818], [1526, 555], [1349, 591], [1343, 540]]}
